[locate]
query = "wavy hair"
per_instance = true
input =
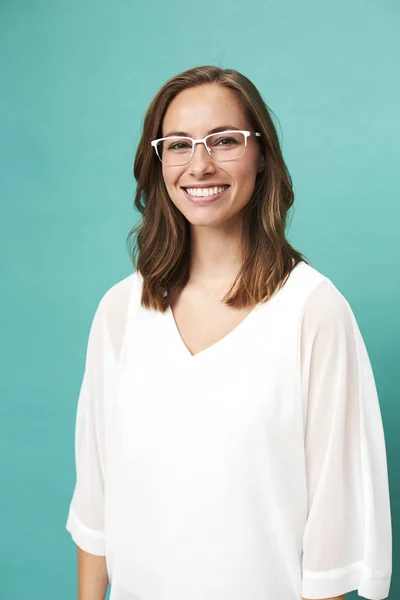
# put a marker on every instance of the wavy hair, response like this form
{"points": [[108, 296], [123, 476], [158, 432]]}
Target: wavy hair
{"points": [[159, 246]]}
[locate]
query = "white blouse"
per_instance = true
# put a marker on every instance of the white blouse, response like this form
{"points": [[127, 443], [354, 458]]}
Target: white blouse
{"points": [[254, 469]]}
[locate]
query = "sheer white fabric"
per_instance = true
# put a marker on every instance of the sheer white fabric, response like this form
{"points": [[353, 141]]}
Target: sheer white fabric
{"points": [[86, 513], [347, 540], [343, 524]]}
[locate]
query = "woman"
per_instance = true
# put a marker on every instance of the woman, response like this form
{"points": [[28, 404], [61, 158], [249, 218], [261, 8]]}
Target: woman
{"points": [[229, 441]]}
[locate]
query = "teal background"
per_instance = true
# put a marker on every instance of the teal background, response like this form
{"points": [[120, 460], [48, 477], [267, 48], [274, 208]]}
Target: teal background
{"points": [[76, 80]]}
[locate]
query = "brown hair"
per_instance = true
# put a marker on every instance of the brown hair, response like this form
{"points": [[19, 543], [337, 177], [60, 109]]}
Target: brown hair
{"points": [[162, 241]]}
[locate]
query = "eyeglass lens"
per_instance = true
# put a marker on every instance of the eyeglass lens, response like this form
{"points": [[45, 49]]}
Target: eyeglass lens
{"points": [[177, 150]]}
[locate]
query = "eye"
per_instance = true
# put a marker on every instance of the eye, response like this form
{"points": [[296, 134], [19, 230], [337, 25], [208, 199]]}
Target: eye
{"points": [[178, 146], [226, 142]]}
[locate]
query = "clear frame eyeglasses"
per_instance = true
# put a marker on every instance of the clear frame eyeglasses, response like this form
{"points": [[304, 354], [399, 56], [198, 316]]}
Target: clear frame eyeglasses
{"points": [[177, 150]]}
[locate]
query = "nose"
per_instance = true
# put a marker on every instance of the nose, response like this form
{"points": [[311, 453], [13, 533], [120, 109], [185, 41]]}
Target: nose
{"points": [[201, 160]]}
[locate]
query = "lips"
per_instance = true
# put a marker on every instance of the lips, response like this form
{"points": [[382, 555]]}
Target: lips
{"points": [[206, 187], [203, 200], [217, 185]]}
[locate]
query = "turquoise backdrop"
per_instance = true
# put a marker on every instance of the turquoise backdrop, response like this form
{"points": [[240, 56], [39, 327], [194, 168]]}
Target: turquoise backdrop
{"points": [[76, 79]]}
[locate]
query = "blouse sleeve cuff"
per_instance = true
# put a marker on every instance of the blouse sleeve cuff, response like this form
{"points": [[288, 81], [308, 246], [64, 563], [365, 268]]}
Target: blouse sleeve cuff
{"points": [[90, 540], [371, 584]]}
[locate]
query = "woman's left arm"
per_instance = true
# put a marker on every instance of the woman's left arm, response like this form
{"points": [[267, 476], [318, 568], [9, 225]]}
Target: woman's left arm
{"points": [[347, 542]]}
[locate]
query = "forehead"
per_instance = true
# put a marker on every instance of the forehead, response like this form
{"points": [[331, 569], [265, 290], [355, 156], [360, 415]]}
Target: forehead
{"points": [[197, 110]]}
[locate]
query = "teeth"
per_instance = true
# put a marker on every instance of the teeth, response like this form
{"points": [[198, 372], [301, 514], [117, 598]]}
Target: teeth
{"points": [[206, 191]]}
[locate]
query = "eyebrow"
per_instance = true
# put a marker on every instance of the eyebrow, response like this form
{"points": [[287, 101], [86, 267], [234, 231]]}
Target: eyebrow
{"points": [[215, 130]]}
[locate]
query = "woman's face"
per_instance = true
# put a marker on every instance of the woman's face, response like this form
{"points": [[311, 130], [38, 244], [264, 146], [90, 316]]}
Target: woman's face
{"points": [[196, 111]]}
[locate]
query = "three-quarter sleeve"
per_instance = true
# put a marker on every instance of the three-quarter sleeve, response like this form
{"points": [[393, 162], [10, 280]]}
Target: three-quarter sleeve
{"points": [[85, 520], [347, 539]]}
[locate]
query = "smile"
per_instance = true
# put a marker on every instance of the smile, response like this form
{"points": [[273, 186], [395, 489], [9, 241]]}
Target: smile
{"points": [[211, 191], [205, 195]]}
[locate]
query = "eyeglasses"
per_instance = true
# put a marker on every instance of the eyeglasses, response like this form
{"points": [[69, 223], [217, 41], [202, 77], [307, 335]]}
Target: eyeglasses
{"points": [[177, 150]]}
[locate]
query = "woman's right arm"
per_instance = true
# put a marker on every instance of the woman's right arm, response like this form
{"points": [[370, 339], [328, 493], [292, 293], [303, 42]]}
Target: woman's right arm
{"points": [[92, 576], [86, 517], [86, 512]]}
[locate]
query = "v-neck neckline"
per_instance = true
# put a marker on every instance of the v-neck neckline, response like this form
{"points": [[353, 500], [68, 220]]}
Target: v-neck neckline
{"points": [[183, 351], [182, 357]]}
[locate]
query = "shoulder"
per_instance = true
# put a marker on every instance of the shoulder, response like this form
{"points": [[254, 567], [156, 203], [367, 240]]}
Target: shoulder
{"points": [[329, 337], [326, 309], [113, 309], [116, 299]]}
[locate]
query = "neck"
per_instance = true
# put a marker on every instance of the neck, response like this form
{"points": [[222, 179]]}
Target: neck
{"points": [[215, 256]]}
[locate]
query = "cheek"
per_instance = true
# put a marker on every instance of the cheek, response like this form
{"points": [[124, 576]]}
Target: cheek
{"points": [[165, 175], [245, 173], [170, 178], [245, 177]]}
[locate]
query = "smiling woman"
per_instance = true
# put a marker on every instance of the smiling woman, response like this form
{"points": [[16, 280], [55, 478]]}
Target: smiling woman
{"points": [[207, 129], [229, 441]]}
